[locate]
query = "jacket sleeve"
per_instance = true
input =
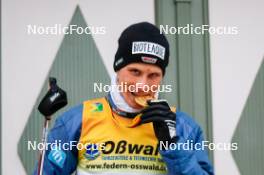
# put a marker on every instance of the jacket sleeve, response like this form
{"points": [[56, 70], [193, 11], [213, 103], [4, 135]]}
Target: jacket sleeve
{"points": [[190, 161], [62, 158]]}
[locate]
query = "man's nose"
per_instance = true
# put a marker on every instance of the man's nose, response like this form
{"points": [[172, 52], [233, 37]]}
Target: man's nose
{"points": [[142, 84]]}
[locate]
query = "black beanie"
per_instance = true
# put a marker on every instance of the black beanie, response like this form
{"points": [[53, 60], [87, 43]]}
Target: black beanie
{"points": [[142, 42]]}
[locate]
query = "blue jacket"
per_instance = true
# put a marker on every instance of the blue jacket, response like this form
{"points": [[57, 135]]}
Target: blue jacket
{"points": [[179, 162]]}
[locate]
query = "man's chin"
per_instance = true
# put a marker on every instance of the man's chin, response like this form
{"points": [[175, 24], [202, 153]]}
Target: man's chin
{"points": [[136, 106]]}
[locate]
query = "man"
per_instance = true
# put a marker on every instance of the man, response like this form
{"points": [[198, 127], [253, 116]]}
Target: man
{"points": [[113, 144]]}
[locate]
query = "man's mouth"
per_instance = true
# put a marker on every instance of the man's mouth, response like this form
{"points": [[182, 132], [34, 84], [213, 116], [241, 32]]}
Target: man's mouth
{"points": [[139, 95], [133, 94]]}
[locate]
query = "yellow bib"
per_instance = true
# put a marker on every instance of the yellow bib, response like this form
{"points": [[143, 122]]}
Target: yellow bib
{"points": [[111, 147]]}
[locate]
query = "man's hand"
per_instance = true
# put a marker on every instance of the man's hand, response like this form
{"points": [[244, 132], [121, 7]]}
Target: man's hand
{"points": [[164, 120]]}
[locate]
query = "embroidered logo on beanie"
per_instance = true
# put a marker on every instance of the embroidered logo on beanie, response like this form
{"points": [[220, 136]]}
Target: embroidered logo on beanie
{"points": [[148, 48], [149, 60]]}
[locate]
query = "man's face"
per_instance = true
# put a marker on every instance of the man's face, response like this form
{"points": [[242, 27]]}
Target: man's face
{"points": [[139, 75]]}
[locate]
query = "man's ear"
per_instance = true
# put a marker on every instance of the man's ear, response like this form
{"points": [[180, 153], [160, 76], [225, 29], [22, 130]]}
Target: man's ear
{"points": [[117, 77]]}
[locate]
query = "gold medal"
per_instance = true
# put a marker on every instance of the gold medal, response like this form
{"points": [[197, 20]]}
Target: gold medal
{"points": [[142, 101]]}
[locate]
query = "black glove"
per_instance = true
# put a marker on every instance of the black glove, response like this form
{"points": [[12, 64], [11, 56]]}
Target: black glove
{"points": [[55, 99], [164, 120]]}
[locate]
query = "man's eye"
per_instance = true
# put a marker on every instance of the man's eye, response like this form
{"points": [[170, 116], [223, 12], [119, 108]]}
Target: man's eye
{"points": [[154, 75], [135, 72]]}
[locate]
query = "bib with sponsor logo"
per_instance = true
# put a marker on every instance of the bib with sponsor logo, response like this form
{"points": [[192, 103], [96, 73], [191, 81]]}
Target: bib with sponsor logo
{"points": [[108, 146]]}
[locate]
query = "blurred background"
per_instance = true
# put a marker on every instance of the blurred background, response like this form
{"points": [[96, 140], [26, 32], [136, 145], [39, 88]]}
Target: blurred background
{"points": [[216, 78]]}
